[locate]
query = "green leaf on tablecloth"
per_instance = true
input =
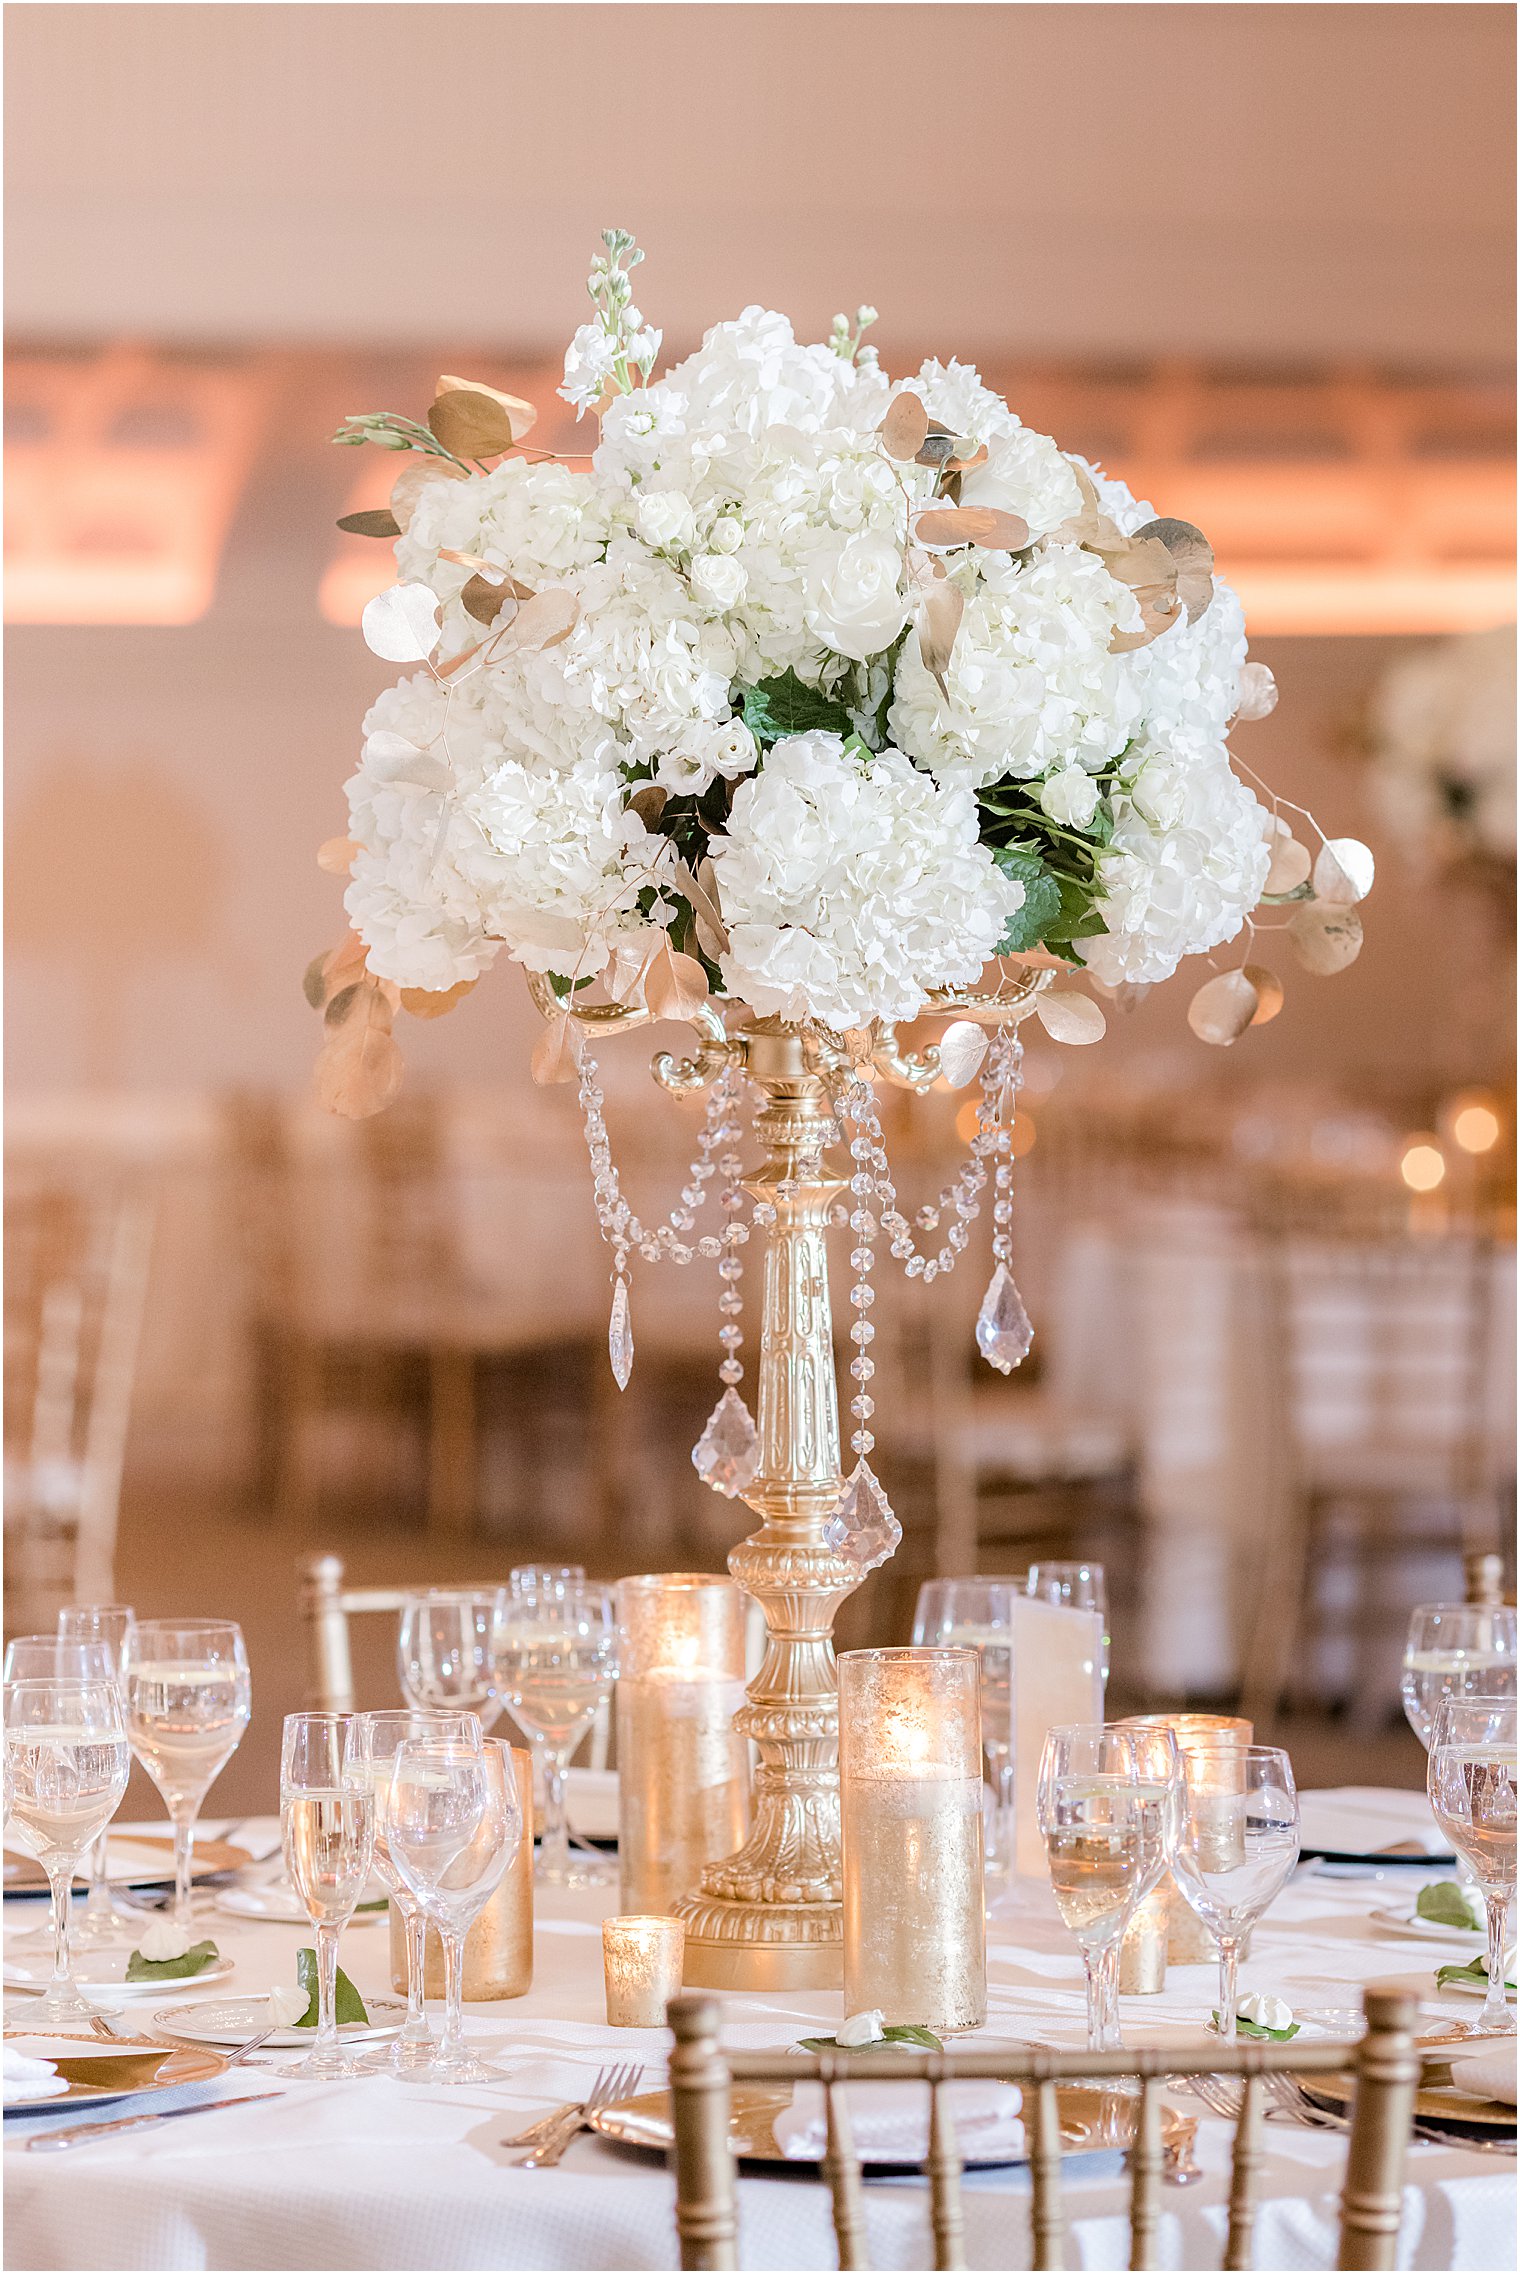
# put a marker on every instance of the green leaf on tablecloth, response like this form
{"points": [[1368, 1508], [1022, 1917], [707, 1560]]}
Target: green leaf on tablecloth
{"points": [[900, 2033], [195, 1960], [381, 1903], [1476, 1974], [347, 2004], [1447, 1904], [1246, 2028]]}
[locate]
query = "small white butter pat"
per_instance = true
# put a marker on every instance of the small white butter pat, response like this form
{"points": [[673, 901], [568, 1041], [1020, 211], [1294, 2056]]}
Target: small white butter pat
{"points": [[1267, 2013], [164, 1940], [286, 2006], [862, 2029]]}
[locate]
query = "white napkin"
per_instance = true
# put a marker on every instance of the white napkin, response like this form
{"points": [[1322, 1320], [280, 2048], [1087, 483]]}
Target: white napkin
{"points": [[1361, 1819], [22, 2078], [1487, 2076], [890, 2121]]}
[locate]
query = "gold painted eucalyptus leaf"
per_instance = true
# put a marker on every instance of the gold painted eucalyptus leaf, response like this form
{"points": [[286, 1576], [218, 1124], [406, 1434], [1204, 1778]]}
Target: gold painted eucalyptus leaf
{"points": [[1223, 1008], [1290, 863], [675, 986], [414, 478], [1068, 1017], [1269, 993], [557, 1052], [1343, 872], [378, 522], [360, 1068], [962, 1047], [984, 525], [905, 428], [1258, 692], [1325, 938]]}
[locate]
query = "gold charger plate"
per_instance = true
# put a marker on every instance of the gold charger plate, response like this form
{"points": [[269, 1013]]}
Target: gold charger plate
{"points": [[137, 2070], [24, 1875], [1091, 2121], [1430, 2105]]}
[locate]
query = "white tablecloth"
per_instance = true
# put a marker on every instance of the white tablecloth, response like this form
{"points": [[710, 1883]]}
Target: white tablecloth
{"points": [[380, 2175]]}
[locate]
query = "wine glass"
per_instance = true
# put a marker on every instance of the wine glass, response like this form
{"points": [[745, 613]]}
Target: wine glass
{"points": [[445, 1652], [188, 1703], [539, 1578], [103, 1924], [1238, 1846], [452, 1828], [1079, 1586], [1108, 1807], [1456, 1649], [1471, 1782], [67, 1764], [370, 1745], [327, 1830], [977, 1614], [49, 1658], [556, 1653]]}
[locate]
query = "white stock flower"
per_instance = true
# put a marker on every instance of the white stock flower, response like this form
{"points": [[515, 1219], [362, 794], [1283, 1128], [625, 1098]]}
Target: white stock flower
{"points": [[850, 885], [1186, 866], [589, 362]]}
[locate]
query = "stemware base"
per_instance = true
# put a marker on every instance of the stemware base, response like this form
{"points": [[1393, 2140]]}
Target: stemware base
{"points": [[400, 2059], [325, 2067], [462, 2068], [64, 2001]]}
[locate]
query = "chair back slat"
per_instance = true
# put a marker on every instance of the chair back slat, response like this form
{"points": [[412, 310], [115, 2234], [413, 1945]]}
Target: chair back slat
{"points": [[1049, 2217], [707, 2218], [945, 2211], [1388, 2078], [1145, 2177], [841, 2168], [1245, 2172]]}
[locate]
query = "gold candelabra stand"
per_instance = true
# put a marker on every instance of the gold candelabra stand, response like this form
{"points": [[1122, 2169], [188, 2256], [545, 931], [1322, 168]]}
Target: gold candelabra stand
{"points": [[769, 1917]]}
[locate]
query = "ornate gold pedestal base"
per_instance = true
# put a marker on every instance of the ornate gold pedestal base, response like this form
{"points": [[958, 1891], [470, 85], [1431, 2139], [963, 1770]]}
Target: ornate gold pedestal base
{"points": [[792, 1963]]}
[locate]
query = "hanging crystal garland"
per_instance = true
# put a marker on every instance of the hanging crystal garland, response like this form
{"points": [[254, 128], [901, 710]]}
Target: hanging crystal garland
{"points": [[1003, 1329], [862, 1527], [727, 1453]]}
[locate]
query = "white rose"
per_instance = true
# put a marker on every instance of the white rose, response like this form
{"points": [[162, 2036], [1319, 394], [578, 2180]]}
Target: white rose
{"points": [[1070, 797], [163, 1940], [862, 2029], [718, 579], [664, 519], [286, 2006], [1266, 2012], [854, 595]]}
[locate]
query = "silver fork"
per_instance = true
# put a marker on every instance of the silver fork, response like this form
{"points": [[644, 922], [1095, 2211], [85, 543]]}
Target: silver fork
{"points": [[102, 2028], [618, 2082]]}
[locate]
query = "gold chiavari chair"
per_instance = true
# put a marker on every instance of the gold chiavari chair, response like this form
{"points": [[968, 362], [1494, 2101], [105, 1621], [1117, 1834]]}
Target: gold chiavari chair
{"points": [[1387, 2069]]}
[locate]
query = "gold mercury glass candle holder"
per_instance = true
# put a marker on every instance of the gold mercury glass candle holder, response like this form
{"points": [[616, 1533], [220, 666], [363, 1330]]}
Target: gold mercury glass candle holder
{"points": [[683, 1769], [1207, 1742], [498, 1950], [641, 1960], [910, 1785]]}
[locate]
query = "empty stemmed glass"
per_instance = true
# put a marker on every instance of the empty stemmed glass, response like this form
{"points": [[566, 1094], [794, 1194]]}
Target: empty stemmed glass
{"points": [[188, 1702], [445, 1652], [1109, 1807], [1079, 1586], [49, 1658], [103, 1924], [977, 1614], [327, 1830], [1471, 1782], [371, 1743], [1238, 1847], [452, 1828], [66, 1768], [556, 1653], [1456, 1650]]}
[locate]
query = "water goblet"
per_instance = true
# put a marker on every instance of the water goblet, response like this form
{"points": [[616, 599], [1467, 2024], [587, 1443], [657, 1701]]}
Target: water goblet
{"points": [[370, 1745], [445, 1652], [47, 1658], [327, 1830], [1456, 1650], [556, 1653], [1107, 1828], [188, 1702], [1471, 1782], [1237, 1848], [977, 1614], [103, 1924], [452, 1828], [1079, 1586], [66, 1762]]}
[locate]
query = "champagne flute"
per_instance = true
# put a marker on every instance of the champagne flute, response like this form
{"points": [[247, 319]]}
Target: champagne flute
{"points": [[1104, 1841], [977, 1614], [452, 1828], [1079, 1586], [1471, 1782], [370, 1745], [1455, 1650], [445, 1652], [67, 1763], [1238, 1846], [104, 1925], [556, 1652], [327, 1830], [188, 1703]]}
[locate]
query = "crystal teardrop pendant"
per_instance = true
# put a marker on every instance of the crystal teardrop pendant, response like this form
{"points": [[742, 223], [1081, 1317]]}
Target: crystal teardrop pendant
{"points": [[1003, 1331], [862, 1528], [727, 1453], [620, 1335]]}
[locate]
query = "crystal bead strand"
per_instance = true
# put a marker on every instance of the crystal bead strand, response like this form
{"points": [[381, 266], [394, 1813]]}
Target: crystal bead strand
{"points": [[862, 1527], [1003, 1330], [727, 1453], [961, 1197]]}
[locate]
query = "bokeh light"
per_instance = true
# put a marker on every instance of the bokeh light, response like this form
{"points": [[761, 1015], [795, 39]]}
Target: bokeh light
{"points": [[1476, 1128], [1423, 1166]]}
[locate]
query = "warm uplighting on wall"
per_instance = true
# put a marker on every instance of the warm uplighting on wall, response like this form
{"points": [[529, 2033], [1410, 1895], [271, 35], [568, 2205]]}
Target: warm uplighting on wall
{"points": [[1423, 1166], [123, 469]]}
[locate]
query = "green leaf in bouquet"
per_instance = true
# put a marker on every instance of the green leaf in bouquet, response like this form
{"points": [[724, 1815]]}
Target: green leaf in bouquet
{"points": [[787, 706], [1446, 1904], [1244, 2028], [347, 2004], [1042, 899], [195, 1960], [1476, 1973]]}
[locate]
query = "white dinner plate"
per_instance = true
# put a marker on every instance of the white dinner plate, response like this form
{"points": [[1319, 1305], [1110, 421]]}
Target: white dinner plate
{"points": [[276, 1904], [232, 2021], [132, 1861], [1469, 1990], [1407, 1923], [99, 2072], [105, 1971]]}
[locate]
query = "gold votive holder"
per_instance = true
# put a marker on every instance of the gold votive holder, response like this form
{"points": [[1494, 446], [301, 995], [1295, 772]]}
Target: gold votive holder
{"points": [[1207, 1742], [683, 1769], [1142, 1953], [642, 1960], [910, 1791], [498, 1950]]}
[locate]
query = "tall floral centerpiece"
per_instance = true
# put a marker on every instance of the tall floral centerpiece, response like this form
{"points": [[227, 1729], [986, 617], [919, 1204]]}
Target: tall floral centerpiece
{"points": [[809, 703]]}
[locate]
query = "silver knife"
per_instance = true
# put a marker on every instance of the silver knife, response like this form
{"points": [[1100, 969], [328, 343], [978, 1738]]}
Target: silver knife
{"points": [[78, 2135]]}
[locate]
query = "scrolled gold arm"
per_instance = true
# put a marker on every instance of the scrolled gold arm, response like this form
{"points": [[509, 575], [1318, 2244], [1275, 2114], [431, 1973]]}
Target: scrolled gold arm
{"points": [[716, 1050], [608, 1015], [910, 1069]]}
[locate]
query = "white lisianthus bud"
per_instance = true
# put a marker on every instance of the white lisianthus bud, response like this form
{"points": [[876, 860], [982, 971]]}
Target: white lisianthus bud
{"points": [[165, 1940], [664, 519], [718, 579], [1070, 797], [286, 2006], [862, 2029], [1267, 2012]]}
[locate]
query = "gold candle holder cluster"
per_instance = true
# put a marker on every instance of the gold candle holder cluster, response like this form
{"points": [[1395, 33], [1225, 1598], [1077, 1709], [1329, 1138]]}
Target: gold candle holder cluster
{"points": [[641, 1961], [910, 1785], [1206, 1741], [683, 1791]]}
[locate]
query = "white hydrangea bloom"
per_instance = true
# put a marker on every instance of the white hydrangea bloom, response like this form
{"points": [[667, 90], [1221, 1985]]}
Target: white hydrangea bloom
{"points": [[851, 885], [539, 522], [1025, 473], [1186, 866]]}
